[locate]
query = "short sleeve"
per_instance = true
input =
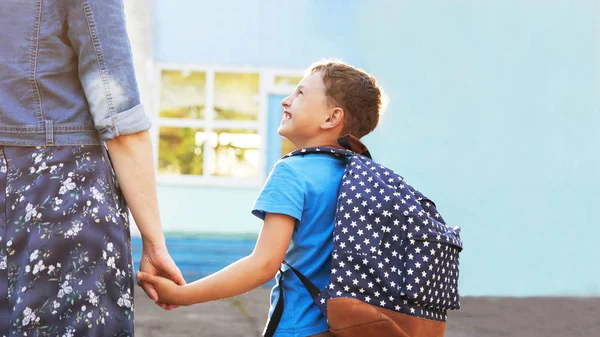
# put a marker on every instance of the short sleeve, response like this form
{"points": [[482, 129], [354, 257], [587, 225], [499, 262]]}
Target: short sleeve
{"points": [[282, 193]]}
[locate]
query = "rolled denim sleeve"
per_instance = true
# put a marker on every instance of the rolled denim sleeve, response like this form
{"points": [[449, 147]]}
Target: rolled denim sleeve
{"points": [[98, 34]]}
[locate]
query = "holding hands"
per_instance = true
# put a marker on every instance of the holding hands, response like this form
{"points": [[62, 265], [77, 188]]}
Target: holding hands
{"points": [[157, 264]]}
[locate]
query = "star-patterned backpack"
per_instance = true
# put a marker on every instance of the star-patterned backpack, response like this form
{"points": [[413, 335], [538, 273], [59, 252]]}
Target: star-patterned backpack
{"points": [[395, 261]]}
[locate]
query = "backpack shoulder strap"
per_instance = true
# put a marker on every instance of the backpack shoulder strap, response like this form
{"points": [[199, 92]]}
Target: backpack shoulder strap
{"points": [[355, 145], [334, 151]]}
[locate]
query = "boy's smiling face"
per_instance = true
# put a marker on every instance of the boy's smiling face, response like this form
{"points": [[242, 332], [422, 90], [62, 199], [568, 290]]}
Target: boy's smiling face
{"points": [[305, 111]]}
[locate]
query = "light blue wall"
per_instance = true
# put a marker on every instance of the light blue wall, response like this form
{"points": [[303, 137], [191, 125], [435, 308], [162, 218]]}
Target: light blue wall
{"points": [[207, 209], [255, 32], [494, 113]]}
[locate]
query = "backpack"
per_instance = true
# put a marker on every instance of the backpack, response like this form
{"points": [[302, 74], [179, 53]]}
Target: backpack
{"points": [[395, 262]]}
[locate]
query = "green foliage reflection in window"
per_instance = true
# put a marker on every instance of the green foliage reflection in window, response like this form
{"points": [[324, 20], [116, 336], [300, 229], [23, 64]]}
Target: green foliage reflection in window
{"points": [[236, 96], [182, 94], [180, 151]]}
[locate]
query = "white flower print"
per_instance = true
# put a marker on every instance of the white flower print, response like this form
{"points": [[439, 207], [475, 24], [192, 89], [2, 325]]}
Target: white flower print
{"points": [[125, 300], [92, 298], [34, 255], [42, 167], [31, 212], [29, 316], [69, 333], [65, 289], [60, 228], [74, 230], [67, 185], [39, 267], [96, 195], [55, 305], [111, 262]]}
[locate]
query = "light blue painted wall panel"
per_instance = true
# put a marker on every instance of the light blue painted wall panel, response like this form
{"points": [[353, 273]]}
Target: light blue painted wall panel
{"points": [[285, 34], [208, 209], [494, 114]]}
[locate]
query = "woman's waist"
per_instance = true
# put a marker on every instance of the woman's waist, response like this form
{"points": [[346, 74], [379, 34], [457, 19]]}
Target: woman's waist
{"points": [[48, 134]]}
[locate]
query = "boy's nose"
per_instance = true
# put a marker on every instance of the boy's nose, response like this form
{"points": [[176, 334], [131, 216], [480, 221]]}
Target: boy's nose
{"points": [[286, 102]]}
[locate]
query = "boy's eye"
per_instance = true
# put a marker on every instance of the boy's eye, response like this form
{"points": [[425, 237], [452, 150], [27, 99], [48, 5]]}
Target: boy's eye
{"points": [[300, 92]]}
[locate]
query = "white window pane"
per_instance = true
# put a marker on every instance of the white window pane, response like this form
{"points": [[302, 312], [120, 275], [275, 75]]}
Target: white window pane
{"points": [[235, 152], [236, 96], [182, 94], [180, 151]]}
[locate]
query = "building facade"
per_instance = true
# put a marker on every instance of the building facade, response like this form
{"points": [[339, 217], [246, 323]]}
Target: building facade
{"points": [[493, 113]]}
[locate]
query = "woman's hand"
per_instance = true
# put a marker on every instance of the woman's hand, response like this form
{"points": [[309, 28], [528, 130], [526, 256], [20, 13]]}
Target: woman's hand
{"points": [[168, 291], [156, 261]]}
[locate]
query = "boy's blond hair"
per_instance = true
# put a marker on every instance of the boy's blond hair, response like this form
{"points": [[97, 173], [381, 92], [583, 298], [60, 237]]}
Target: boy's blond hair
{"points": [[353, 90]]}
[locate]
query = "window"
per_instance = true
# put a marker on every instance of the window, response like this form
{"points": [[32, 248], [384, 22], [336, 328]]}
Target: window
{"points": [[288, 80], [211, 123]]}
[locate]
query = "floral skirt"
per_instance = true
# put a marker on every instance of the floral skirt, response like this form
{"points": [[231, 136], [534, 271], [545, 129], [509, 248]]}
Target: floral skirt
{"points": [[65, 249]]}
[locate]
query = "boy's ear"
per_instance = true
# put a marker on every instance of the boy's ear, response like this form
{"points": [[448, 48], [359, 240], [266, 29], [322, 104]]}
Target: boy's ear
{"points": [[335, 119]]}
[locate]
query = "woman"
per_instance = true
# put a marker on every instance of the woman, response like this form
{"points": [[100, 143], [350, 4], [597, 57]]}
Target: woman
{"points": [[67, 87]]}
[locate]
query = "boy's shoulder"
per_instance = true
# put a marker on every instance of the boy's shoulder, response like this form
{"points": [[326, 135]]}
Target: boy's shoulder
{"points": [[312, 169], [311, 161]]}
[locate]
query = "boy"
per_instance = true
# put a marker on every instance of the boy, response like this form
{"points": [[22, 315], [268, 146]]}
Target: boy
{"points": [[297, 203]]}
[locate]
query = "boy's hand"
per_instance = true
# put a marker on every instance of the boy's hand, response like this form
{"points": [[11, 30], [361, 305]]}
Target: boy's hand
{"points": [[168, 291], [157, 261]]}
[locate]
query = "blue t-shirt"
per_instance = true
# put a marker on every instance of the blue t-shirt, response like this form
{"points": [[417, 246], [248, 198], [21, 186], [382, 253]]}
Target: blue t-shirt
{"points": [[304, 187]]}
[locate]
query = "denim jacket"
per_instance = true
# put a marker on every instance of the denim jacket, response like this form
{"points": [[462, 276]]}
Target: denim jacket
{"points": [[66, 73]]}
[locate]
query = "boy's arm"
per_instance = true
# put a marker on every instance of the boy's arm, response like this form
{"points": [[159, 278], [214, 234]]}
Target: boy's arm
{"points": [[240, 277]]}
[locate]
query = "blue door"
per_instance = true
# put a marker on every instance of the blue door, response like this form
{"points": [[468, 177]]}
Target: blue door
{"points": [[274, 140]]}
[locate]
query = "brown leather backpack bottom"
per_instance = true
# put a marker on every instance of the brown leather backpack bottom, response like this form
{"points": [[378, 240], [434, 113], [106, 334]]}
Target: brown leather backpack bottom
{"points": [[349, 317]]}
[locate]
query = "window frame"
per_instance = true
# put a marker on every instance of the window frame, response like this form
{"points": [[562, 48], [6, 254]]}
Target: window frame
{"points": [[266, 87]]}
